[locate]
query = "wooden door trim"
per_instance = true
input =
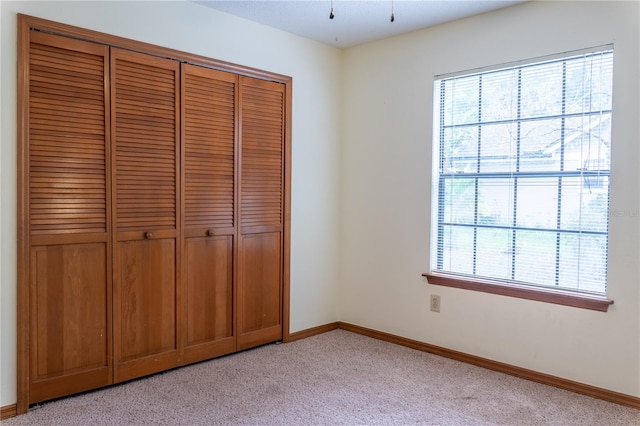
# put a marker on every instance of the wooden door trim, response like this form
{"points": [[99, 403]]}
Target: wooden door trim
{"points": [[237, 153], [23, 358], [286, 234]]}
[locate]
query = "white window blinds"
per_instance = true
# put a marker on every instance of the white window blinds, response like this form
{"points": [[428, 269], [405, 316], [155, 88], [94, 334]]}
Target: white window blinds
{"points": [[521, 172]]}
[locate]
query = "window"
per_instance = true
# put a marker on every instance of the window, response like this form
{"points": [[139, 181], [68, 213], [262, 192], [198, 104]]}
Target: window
{"points": [[521, 174]]}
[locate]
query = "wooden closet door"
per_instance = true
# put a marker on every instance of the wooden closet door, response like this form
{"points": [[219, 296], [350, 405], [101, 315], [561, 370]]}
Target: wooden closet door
{"points": [[65, 198], [262, 165], [209, 188], [145, 131]]}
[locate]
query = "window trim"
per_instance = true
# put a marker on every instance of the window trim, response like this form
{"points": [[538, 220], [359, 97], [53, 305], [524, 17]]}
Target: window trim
{"points": [[528, 292]]}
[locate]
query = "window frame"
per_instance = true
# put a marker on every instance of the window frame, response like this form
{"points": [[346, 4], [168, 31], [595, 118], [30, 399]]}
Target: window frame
{"points": [[505, 287]]}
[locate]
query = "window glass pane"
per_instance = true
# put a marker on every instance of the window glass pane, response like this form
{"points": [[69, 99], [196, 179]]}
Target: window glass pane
{"points": [[535, 257], [493, 253], [500, 95], [460, 101], [537, 203], [588, 142], [585, 203], [498, 148], [495, 201], [540, 145], [460, 149], [583, 264], [461, 198], [541, 90], [457, 249], [586, 79]]}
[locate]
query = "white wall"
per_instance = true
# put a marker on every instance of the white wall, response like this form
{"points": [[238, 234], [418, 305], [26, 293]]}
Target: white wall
{"points": [[386, 195], [316, 72]]}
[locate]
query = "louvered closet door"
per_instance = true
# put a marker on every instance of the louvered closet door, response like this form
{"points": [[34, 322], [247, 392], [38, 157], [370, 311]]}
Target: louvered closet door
{"points": [[66, 195], [209, 108], [260, 265], [145, 129]]}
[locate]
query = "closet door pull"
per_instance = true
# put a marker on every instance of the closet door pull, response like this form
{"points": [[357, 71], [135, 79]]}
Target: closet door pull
{"points": [[148, 235], [210, 232]]}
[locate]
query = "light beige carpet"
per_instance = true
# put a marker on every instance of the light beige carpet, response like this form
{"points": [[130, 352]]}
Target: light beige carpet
{"points": [[337, 378]]}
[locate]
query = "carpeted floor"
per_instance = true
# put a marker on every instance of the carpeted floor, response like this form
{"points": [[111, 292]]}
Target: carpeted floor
{"points": [[336, 378]]}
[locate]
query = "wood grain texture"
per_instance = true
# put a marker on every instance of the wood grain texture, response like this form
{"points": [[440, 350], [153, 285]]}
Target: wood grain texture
{"points": [[260, 289], [313, 331], [540, 294], [147, 290], [145, 156], [209, 288], [138, 46], [209, 265], [261, 195], [209, 140], [23, 360], [286, 226], [143, 131], [69, 309], [70, 322], [8, 411], [67, 117], [262, 153], [65, 202], [145, 308]]}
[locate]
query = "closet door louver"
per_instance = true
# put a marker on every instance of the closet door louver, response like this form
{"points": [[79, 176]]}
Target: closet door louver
{"points": [[260, 274], [209, 182], [67, 202], [145, 131]]}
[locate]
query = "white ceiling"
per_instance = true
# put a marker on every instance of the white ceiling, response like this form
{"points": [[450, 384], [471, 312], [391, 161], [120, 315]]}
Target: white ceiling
{"points": [[356, 21]]}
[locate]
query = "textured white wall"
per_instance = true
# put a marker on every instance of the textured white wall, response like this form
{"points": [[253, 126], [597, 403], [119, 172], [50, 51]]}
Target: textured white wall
{"points": [[316, 72], [386, 195]]}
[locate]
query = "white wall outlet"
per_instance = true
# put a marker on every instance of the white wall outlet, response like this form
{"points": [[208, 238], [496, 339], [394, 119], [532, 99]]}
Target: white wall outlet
{"points": [[435, 303]]}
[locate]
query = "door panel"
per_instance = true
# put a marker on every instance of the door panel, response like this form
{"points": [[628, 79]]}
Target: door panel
{"points": [[260, 289], [145, 318], [147, 290], [210, 231], [66, 179], [145, 155], [70, 326], [209, 262], [260, 275]]}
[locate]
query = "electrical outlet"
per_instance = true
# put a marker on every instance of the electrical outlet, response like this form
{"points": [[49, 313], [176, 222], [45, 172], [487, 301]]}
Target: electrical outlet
{"points": [[435, 303]]}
